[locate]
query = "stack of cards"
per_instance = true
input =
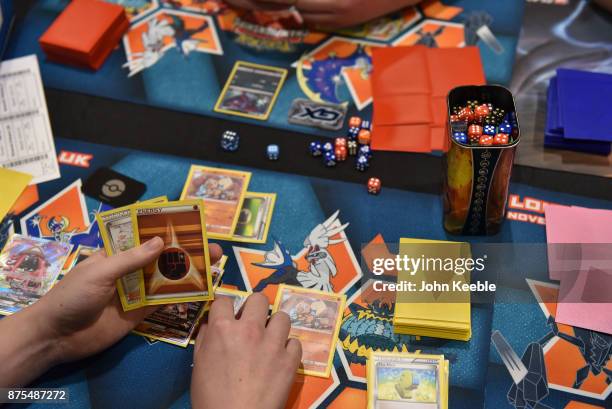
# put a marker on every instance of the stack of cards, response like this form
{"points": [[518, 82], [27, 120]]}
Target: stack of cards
{"points": [[315, 320], [420, 78], [29, 267], [577, 112], [438, 313], [232, 213], [182, 273], [401, 380], [85, 33], [176, 324]]}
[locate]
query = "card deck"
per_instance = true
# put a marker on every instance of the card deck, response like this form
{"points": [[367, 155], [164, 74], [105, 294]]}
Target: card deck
{"points": [[404, 380], [251, 90], [29, 267], [176, 324], [222, 191], [117, 234], [255, 217], [182, 272], [172, 323], [113, 188], [315, 320]]}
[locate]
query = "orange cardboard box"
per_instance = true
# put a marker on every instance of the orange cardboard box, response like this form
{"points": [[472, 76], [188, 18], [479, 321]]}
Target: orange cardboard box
{"points": [[85, 33]]}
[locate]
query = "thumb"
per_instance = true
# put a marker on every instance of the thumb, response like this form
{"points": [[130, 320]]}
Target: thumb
{"points": [[131, 260]]}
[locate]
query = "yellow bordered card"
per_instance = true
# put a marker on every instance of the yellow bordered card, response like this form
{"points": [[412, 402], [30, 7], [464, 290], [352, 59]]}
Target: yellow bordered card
{"points": [[255, 218], [315, 320], [182, 272], [223, 192], [251, 90], [118, 235], [406, 378]]}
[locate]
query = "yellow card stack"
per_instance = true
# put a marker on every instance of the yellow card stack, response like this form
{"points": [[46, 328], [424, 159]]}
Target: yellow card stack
{"points": [[437, 311]]}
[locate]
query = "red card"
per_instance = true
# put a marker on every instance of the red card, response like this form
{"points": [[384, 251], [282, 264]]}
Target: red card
{"points": [[452, 67], [400, 71], [402, 138], [402, 110]]}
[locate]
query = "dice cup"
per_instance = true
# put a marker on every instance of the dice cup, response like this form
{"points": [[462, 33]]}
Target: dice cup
{"points": [[477, 178]]}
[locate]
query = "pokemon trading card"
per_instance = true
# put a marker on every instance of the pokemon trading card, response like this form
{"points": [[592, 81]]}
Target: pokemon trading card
{"points": [[315, 320]]}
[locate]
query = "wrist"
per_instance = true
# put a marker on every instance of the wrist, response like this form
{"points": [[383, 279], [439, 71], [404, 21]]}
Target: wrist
{"points": [[27, 350], [44, 340]]}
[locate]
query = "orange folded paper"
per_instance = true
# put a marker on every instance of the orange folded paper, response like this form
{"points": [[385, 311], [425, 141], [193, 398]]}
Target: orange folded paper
{"points": [[410, 85]]}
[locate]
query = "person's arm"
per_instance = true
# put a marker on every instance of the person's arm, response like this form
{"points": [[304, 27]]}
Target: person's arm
{"points": [[329, 14], [245, 362], [80, 316]]}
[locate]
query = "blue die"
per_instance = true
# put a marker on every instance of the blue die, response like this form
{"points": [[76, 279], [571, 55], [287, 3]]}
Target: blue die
{"points": [[328, 147], [230, 141], [366, 125], [366, 151], [315, 149], [460, 137], [330, 159], [273, 151], [506, 128], [362, 163], [489, 130], [353, 132]]}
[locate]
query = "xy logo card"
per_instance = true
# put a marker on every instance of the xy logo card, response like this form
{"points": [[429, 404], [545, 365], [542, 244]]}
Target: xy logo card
{"points": [[317, 114]]}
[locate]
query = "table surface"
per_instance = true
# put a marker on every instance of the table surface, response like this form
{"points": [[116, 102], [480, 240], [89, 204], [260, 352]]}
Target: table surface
{"points": [[157, 146]]}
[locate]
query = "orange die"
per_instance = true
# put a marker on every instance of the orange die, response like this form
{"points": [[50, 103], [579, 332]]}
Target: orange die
{"points": [[364, 137]]}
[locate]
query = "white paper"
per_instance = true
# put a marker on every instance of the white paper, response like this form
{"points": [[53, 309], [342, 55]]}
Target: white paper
{"points": [[26, 141]]}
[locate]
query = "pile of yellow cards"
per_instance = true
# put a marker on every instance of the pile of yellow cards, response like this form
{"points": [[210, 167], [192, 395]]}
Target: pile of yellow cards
{"points": [[438, 311], [397, 379], [232, 213], [182, 273]]}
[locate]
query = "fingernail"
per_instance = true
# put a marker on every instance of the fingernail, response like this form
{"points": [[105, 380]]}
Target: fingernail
{"points": [[156, 243]]}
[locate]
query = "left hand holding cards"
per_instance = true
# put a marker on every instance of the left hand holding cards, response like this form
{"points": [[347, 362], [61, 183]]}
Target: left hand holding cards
{"points": [[242, 362], [80, 316]]}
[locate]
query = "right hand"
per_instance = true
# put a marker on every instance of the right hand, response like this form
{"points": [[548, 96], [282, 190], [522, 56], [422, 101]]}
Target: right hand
{"points": [[244, 363]]}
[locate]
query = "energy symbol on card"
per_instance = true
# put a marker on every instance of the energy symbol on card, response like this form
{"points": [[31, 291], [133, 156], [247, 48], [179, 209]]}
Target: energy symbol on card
{"points": [[173, 263]]}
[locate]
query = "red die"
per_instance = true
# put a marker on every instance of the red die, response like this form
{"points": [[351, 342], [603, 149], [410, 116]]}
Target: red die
{"points": [[364, 137], [501, 139], [340, 153], [466, 114], [474, 132], [454, 118], [481, 111], [486, 140], [340, 142], [354, 122], [374, 186]]}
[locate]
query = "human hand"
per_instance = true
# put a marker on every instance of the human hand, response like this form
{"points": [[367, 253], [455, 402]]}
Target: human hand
{"points": [[244, 363], [83, 315], [330, 14]]}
